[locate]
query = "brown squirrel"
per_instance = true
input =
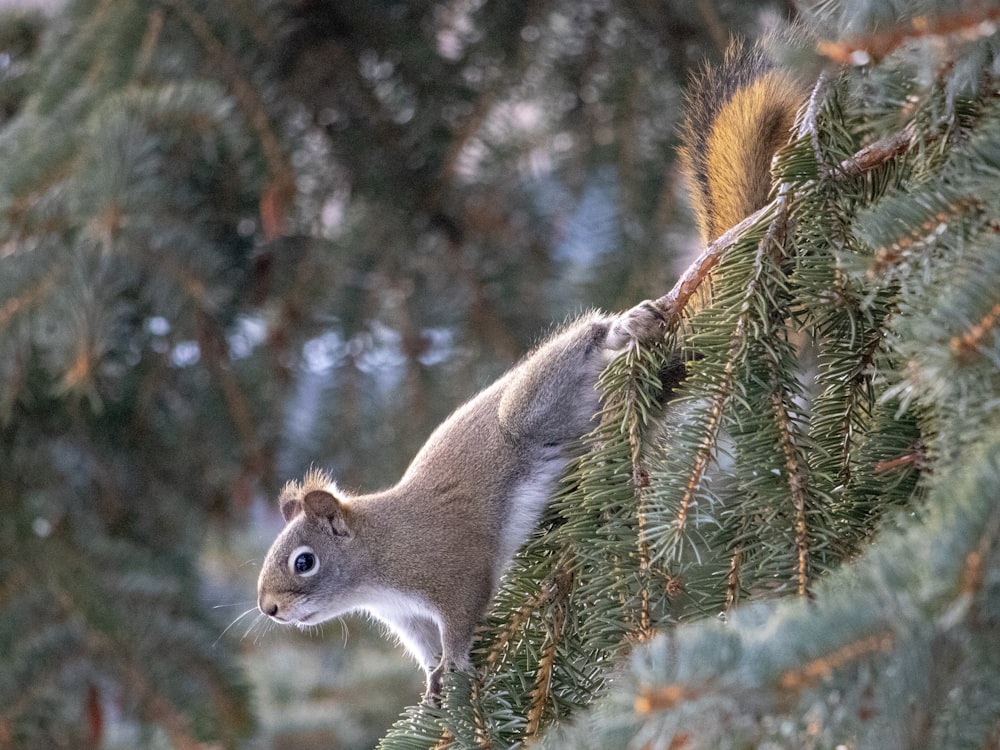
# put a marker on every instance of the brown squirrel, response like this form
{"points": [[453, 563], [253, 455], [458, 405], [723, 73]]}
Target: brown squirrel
{"points": [[425, 555]]}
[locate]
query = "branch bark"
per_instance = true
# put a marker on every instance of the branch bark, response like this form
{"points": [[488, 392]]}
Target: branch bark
{"points": [[673, 303]]}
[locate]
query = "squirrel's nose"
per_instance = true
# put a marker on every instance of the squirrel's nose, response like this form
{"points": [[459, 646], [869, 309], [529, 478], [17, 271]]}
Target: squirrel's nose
{"points": [[268, 606]]}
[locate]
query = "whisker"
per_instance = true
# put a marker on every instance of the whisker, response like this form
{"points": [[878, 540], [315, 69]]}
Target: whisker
{"points": [[253, 624], [230, 625]]}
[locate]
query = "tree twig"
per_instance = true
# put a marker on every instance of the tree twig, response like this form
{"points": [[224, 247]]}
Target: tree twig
{"points": [[673, 303], [862, 50]]}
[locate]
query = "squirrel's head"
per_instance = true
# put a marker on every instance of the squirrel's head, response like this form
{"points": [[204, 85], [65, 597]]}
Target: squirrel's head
{"points": [[310, 573]]}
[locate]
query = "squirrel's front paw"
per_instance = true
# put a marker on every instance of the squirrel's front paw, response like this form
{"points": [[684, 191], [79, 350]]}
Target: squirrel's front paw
{"points": [[435, 679], [432, 694]]}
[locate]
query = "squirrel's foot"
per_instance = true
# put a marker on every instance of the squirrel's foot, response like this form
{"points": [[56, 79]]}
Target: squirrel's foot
{"points": [[432, 694], [645, 322]]}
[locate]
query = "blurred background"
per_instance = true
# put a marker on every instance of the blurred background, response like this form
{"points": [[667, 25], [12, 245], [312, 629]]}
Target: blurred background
{"points": [[240, 238]]}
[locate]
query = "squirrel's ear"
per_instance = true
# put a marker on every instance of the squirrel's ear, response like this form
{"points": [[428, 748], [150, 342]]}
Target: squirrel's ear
{"points": [[321, 504], [290, 508], [289, 501]]}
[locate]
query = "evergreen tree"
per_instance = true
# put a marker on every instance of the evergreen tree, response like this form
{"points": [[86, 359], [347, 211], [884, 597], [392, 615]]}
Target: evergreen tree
{"points": [[120, 195], [229, 232]]}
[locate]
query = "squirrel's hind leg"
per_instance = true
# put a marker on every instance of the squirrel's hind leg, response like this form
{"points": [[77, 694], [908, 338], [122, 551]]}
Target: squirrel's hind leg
{"points": [[645, 323]]}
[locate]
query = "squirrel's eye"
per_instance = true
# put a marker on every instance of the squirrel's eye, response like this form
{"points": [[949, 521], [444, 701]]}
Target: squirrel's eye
{"points": [[303, 561]]}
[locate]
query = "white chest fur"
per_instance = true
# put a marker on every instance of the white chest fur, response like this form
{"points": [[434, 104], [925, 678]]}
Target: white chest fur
{"points": [[411, 618]]}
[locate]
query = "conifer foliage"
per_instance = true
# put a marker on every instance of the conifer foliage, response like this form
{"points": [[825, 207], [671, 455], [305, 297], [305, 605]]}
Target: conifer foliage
{"points": [[835, 444], [207, 208], [118, 199]]}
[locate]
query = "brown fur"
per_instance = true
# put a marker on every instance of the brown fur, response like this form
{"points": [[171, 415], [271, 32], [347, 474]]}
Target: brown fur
{"points": [[738, 115]]}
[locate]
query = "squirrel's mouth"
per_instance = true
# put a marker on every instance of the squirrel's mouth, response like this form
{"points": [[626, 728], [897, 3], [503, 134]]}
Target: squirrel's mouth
{"points": [[309, 618], [285, 619]]}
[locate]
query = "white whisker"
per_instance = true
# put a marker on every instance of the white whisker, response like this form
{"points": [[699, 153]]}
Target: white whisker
{"points": [[253, 624], [230, 625]]}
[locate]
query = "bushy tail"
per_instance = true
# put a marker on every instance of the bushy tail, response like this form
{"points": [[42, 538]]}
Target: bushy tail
{"points": [[738, 115]]}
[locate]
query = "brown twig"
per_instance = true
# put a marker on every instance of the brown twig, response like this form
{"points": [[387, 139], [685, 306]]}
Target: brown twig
{"points": [[213, 346], [640, 483], [733, 578], [540, 698], [150, 38], [673, 303], [666, 697], [543, 677], [862, 50], [970, 342], [822, 667], [876, 154], [482, 738], [547, 591], [797, 489], [716, 28], [30, 297]]}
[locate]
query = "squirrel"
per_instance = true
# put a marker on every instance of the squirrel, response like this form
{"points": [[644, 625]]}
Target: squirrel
{"points": [[425, 556]]}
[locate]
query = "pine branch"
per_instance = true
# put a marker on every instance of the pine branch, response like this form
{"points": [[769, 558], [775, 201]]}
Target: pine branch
{"points": [[964, 24], [866, 160], [278, 196], [878, 620], [768, 471], [30, 297]]}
